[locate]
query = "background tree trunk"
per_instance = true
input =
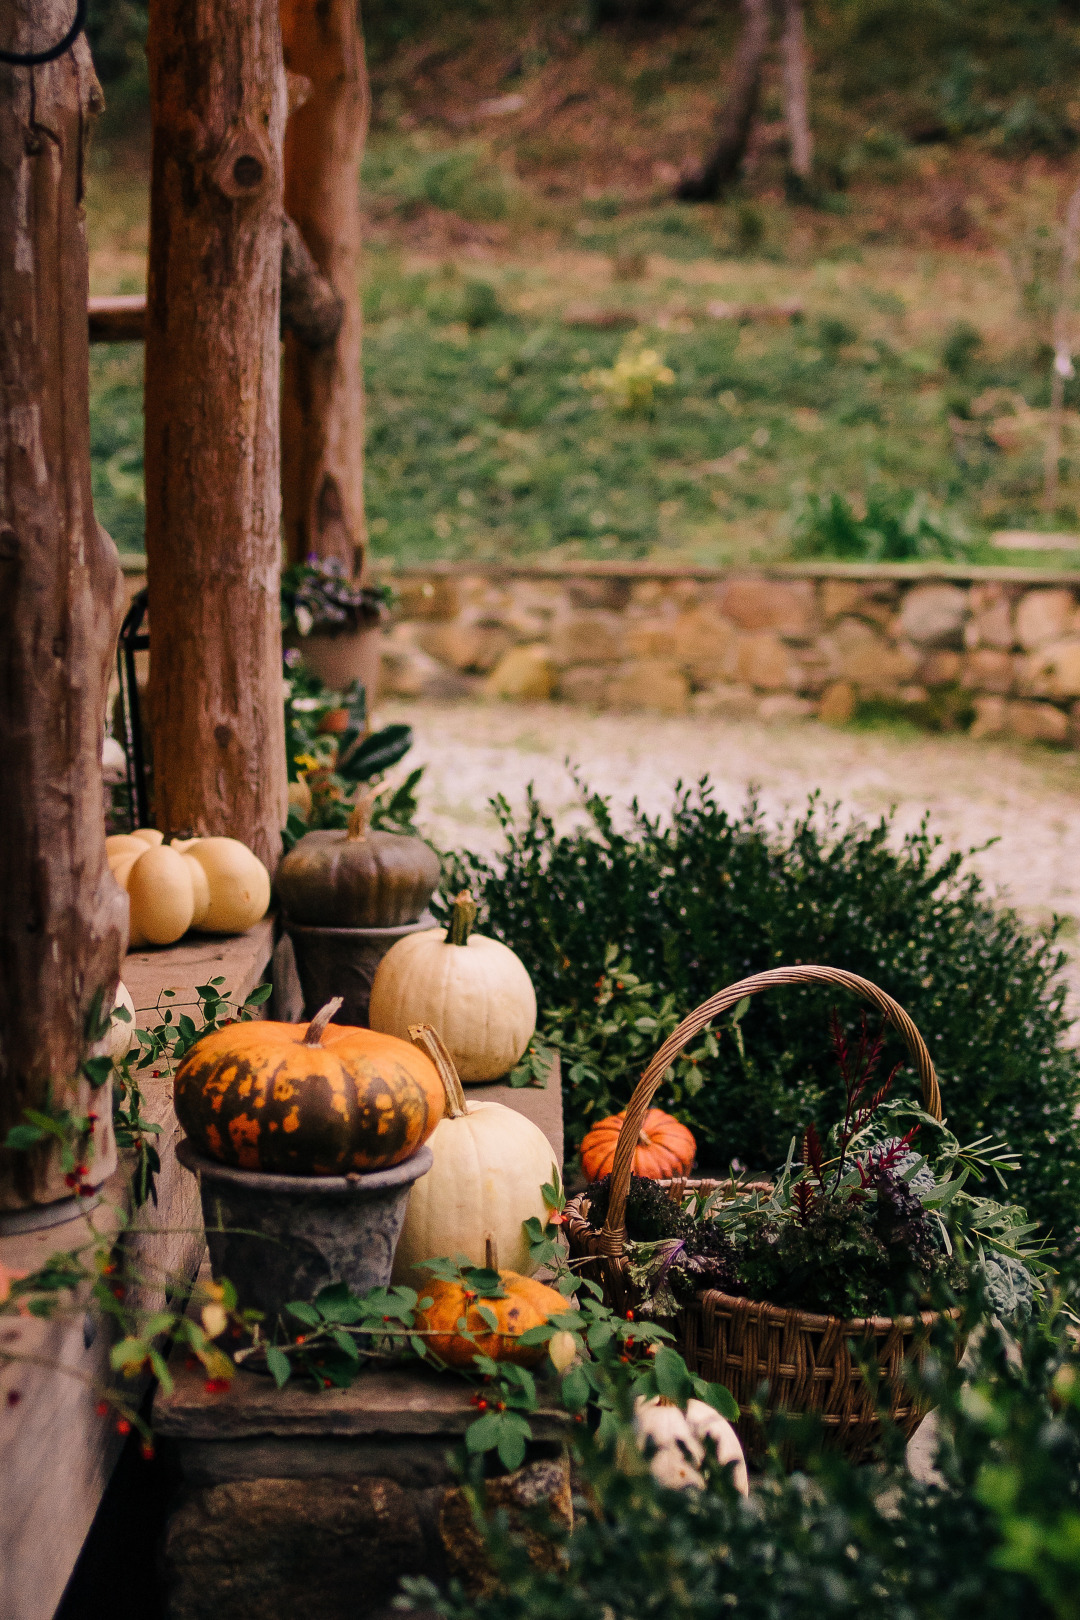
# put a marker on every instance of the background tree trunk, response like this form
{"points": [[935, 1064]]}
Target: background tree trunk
{"points": [[737, 113], [63, 921], [322, 407], [796, 92], [213, 501]]}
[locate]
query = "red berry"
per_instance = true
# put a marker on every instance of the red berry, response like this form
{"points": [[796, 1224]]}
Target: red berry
{"points": [[481, 1405], [629, 1316], [148, 1452], [102, 1408], [327, 1383], [216, 1386], [123, 1426]]}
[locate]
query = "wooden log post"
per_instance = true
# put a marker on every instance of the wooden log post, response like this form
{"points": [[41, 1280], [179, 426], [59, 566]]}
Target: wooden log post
{"points": [[322, 408], [63, 921], [213, 500]]}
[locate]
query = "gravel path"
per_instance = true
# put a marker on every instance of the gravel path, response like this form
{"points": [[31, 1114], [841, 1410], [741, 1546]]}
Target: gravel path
{"points": [[1027, 799]]}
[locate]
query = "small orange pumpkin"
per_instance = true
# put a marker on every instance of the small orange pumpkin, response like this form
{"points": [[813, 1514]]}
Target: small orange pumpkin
{"points": [[528, 1303], [316, 1099], [664, 1148]]}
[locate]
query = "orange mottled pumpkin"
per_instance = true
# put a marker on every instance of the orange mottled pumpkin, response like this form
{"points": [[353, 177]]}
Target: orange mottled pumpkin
{"points": [[316, 1099], [664, 1147], [528, 1303]]}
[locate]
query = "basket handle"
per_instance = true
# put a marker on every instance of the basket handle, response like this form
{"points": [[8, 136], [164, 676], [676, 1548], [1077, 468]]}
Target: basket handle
{"points": [[614, 1233]]}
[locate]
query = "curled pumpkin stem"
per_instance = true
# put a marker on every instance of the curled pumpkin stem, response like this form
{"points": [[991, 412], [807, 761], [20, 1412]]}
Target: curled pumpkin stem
{"points": [[317, 1028], [462, 918], [428, 1039]]}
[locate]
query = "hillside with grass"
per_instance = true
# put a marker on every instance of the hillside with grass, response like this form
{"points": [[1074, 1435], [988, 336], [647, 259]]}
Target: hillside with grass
{"points": [[562, 358]]}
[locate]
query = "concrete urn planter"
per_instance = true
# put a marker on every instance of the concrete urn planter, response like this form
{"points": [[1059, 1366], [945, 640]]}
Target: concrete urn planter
{"points": [[283, 1238]]}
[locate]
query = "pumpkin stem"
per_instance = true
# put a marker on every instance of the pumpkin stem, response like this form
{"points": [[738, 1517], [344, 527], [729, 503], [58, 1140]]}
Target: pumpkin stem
{"points": [[317, 1028], [491, 1252], [428, 1039], [462, 919], [360, 819]]}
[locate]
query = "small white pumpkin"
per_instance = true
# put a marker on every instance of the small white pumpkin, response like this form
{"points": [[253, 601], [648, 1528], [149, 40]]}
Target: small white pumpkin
{"points": [[472, 989], [490, 1163], [216, 885], [119, 1038], [678, 1442]]}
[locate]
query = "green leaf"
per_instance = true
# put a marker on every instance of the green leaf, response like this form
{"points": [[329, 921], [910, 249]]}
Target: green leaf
{"points": [[345, 1343], [305, 1313], [487, 1315], [278, 1365], [20, 1138], [719, 1397], [514, 1435], [417, 1345], [483, 1435], [261, 993], [575, 1390], [97, 1070], [673, 1379]]}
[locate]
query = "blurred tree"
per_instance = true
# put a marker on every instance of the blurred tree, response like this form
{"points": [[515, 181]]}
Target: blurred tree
{"points": [[721, 167]]}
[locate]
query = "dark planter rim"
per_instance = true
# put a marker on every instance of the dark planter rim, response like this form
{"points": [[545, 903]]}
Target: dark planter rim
{"points": [[360, 1184], [423, 924]]}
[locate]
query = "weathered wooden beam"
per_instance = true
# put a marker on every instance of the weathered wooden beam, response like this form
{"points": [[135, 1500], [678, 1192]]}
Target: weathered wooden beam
{"points": [[58, 1451], [63, 921], [117, 320], [310, 307], [322, 404], [213, 498]]}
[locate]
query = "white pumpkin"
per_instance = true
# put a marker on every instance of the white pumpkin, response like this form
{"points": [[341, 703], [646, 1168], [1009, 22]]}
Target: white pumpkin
{"points": [[490, 1164], [216, 885], [120, 1036], [677, 1441], [472, 989]]}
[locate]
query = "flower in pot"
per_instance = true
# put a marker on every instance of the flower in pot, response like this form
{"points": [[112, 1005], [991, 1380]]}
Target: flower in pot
{"points": [[333, 621]]}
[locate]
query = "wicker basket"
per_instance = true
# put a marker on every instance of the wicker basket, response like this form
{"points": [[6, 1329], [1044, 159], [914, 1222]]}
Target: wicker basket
{"points": [[809, 1362]]}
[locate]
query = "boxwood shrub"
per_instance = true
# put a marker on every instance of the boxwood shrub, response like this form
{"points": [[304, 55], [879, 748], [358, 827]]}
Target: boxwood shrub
{"points": [[624, 931]]}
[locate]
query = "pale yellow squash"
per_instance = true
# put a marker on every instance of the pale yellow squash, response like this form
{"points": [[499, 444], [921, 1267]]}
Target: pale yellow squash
{"points": [[490, 1164], [215, 885], [232, 886], [472, 989]]}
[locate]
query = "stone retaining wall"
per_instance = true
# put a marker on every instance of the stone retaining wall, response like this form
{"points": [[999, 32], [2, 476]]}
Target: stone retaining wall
{"points": [[996, 649]]}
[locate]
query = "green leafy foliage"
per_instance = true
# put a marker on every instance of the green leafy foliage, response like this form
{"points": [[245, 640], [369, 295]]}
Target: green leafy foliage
{"points": [[994, 1533], [894, 528], [706, 898], [337, 764]]}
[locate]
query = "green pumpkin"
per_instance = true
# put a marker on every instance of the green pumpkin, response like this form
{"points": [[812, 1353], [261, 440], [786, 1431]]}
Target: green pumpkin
{"points": [[355, 877]]}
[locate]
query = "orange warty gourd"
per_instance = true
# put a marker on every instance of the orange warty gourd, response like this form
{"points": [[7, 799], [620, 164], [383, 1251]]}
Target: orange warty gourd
{"points": [[316, 1099], [664, 1147], [528, 1303]]}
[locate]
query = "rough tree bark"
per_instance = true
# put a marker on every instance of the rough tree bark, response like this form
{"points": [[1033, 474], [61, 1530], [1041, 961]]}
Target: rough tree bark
{"points": [[737, 114], [322, 408], [213, 500], [796, 92], [63, 921]]}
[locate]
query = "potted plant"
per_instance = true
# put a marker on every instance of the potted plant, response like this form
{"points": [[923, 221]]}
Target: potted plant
{"points": [[333, 621], [838, 1263]]}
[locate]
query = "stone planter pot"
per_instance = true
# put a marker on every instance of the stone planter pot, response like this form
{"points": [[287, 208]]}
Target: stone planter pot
{"points": [[338, 660], [283, 1238], [342, 962]]}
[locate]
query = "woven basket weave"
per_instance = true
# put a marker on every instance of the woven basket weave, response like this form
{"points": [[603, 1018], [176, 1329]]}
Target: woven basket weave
{"points": [[810, 1363]]}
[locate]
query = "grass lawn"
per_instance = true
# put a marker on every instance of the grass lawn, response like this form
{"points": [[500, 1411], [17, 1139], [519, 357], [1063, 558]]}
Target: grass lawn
{"points": [[912, 369]]}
